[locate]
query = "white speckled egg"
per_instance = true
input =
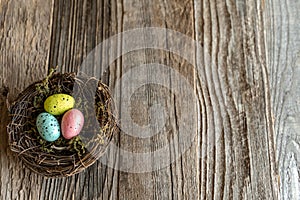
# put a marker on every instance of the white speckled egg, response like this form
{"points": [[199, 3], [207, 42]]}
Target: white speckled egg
{"points": [[72, 123], [58, 104], [48, 127]]}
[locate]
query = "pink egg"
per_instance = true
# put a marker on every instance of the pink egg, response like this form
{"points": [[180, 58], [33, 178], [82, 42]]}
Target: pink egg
{"points": [[72, 123]]}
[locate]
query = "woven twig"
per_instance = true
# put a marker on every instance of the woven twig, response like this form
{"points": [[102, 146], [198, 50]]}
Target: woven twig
{"points": [[62, 157]]}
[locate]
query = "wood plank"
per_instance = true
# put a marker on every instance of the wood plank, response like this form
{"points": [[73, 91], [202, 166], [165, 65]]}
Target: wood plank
{"points": [[25, 41], [283, 53], [234, 88], [78, 26], [179, 179], [40, 36]]}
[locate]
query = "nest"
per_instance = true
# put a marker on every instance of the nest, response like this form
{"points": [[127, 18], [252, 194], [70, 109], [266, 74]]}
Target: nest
{"points": [[62, 157]]}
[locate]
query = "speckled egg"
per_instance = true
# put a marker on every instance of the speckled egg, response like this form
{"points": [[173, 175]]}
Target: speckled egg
{"points": [[48, 127], [58, 104], [72, 123]]}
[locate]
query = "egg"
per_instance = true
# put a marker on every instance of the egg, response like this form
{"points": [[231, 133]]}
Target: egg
{"points": [[58, 104], [72, 123], [48, 127]]}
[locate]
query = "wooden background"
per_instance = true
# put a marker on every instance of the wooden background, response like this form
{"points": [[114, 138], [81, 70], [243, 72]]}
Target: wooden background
{"points": [[248, 92]]}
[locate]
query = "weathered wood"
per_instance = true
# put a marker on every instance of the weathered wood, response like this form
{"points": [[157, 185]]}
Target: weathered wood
{"points": [[283, 41], [180, 179], [25, 41], [33, 33], [234, 87], [232, 155]]}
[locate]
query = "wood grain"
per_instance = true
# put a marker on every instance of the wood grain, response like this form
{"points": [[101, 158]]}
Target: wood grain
{"points": [[282, 38], [232, 73], [179, 180], [235, 91], [25, 41], [33, 34]]}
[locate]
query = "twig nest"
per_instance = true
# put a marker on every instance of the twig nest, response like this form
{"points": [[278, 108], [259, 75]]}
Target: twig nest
{"points": [[48, 116]]}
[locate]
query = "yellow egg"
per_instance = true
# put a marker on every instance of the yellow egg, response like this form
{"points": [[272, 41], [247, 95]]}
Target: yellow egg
{"points": [[58, 104]]}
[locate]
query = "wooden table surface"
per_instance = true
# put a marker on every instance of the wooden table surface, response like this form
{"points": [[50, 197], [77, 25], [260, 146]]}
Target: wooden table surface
{"points": [[244, 75]]}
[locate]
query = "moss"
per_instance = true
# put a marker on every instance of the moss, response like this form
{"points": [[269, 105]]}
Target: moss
{"points": [[77, 145], [61, 145], [43, 90]]}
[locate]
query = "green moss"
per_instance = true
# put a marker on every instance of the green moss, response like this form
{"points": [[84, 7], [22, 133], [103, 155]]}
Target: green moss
{"points": [[43, 90], [77, 145], [61, 145]]}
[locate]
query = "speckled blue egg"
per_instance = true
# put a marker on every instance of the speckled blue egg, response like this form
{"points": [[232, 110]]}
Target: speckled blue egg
{"points": [[48, 127]]}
